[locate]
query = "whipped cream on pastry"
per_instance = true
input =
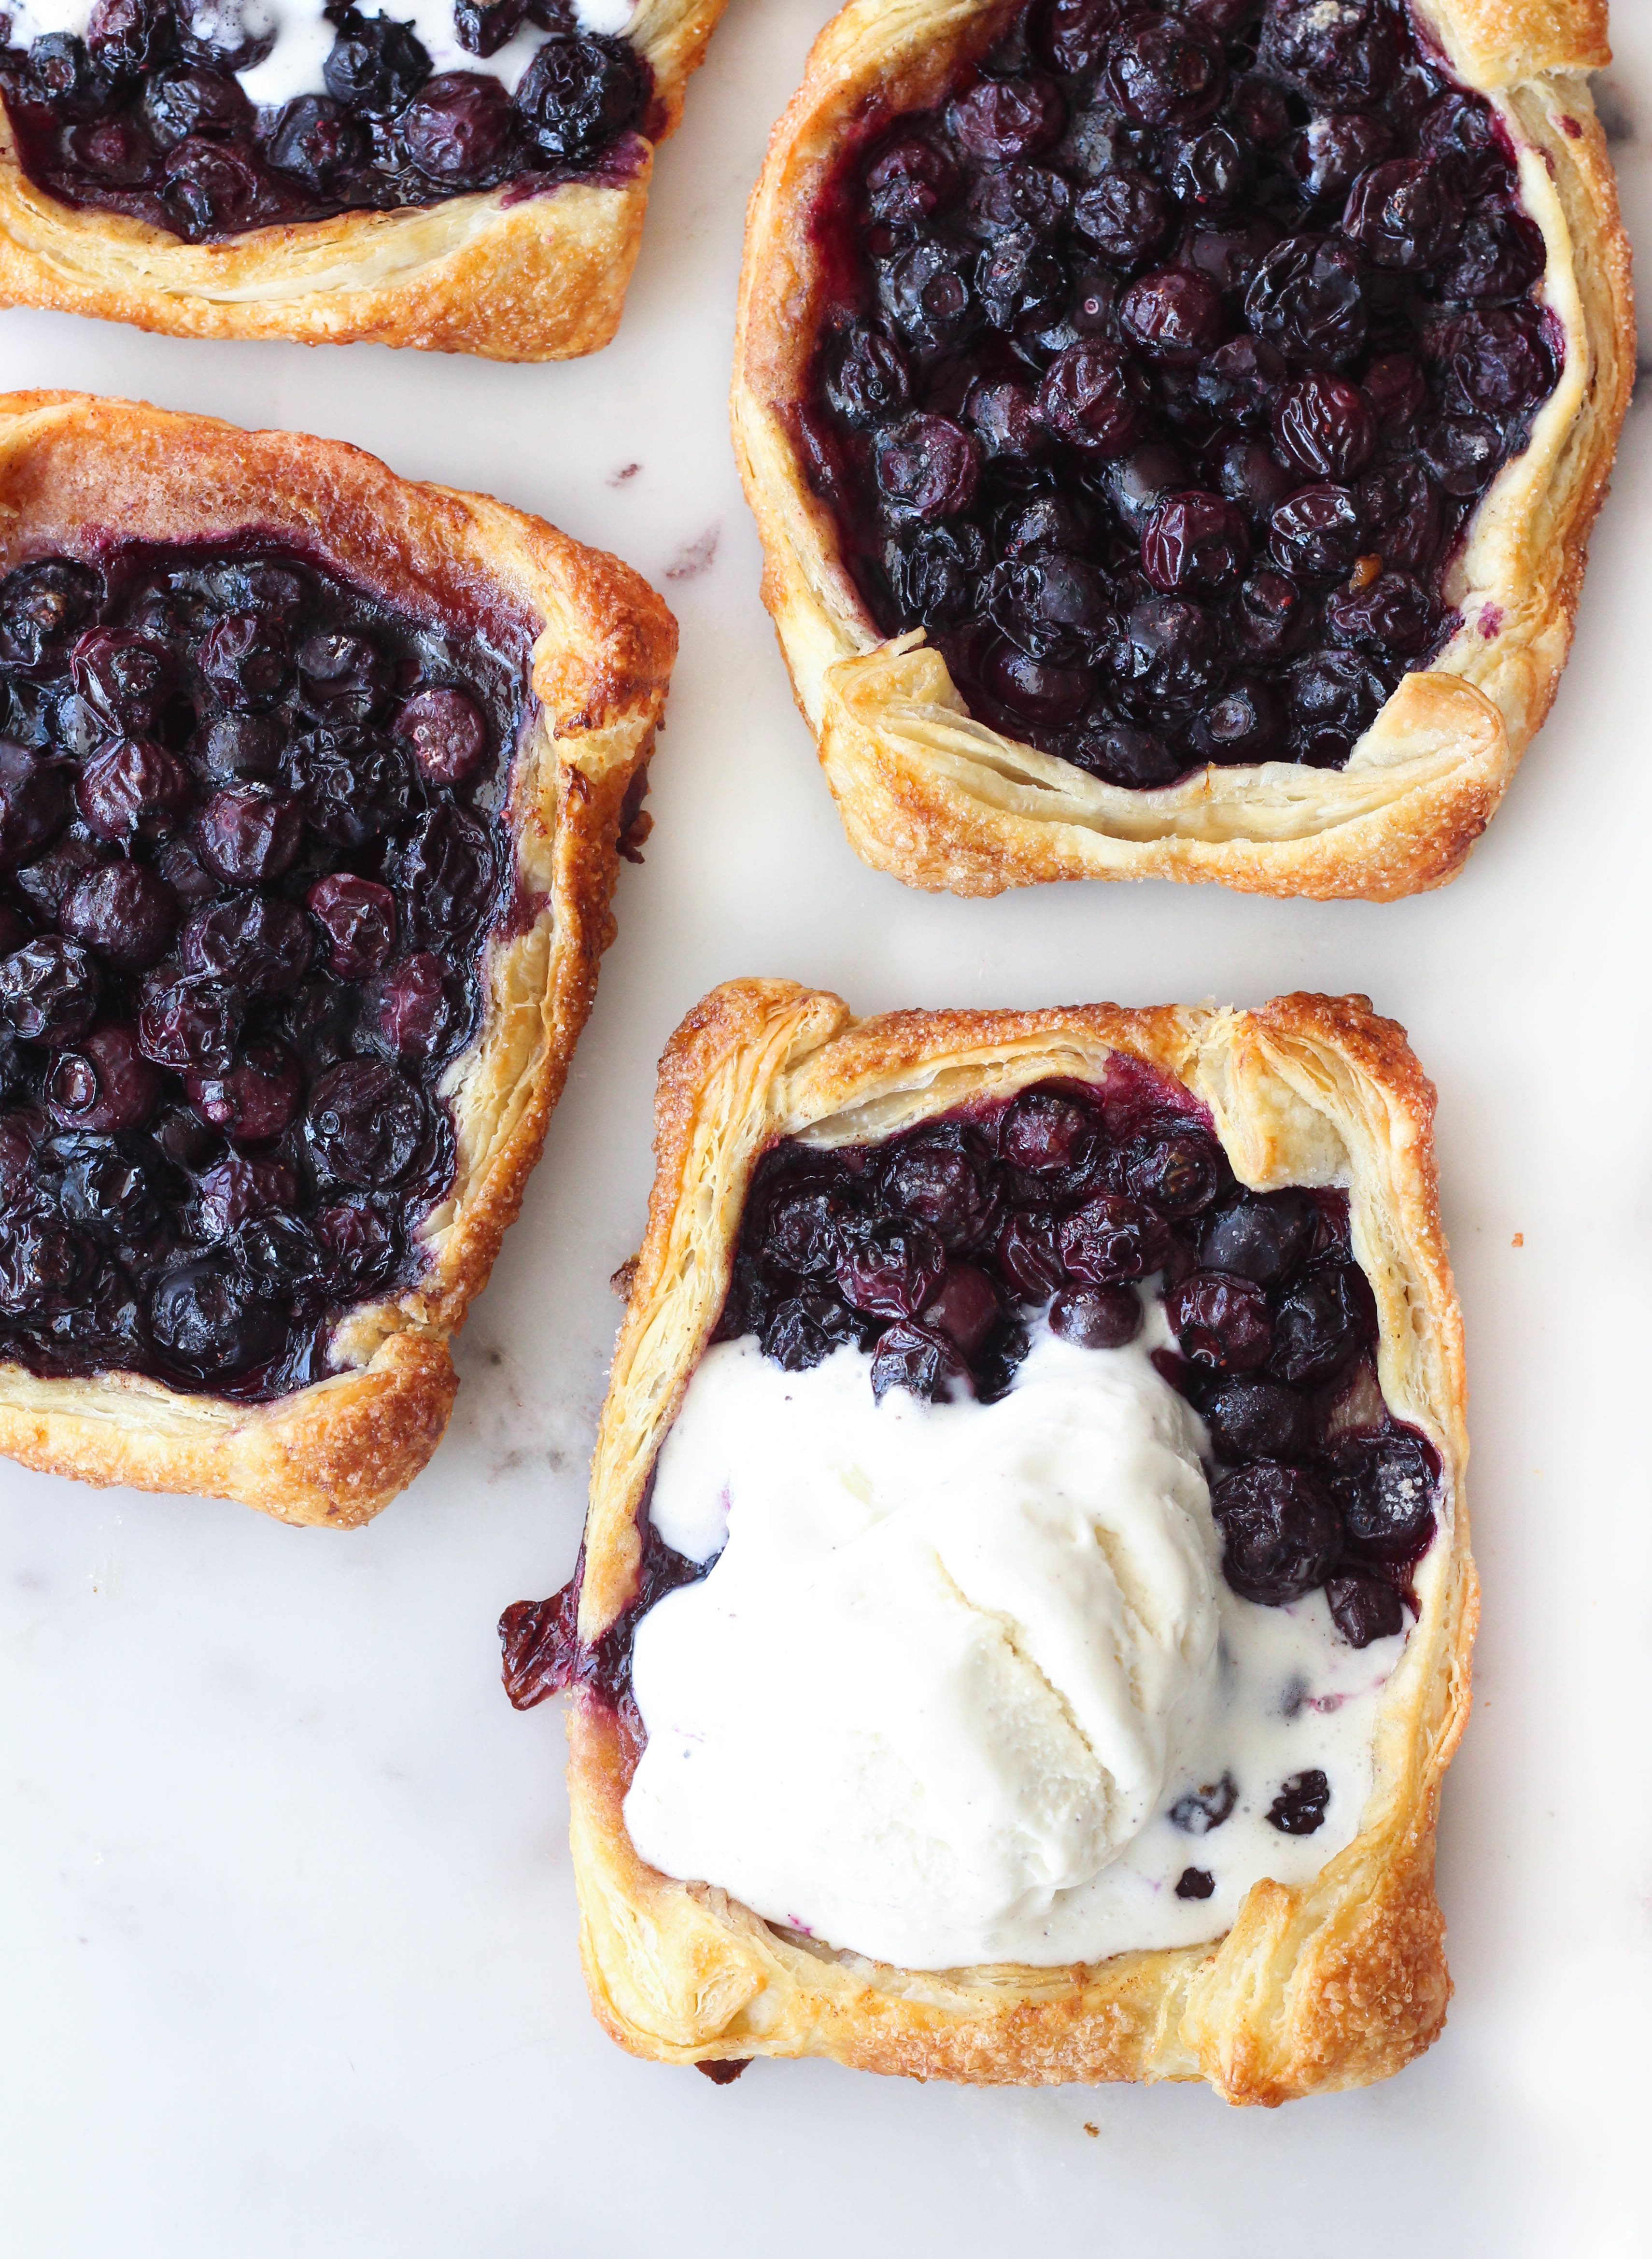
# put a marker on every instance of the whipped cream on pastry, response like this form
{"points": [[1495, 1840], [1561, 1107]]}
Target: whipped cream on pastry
{"points": [[965, 1683], [304, 37]]}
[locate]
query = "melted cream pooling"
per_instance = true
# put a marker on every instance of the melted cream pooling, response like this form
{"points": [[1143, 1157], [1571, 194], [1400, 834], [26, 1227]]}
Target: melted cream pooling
{"points": [[304, 38], [955, 1664]]}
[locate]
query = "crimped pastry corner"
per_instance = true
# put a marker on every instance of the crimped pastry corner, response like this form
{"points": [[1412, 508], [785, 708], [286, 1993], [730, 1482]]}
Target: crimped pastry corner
{"points": [[944, 801], [1315, 1989], [79, 474]]}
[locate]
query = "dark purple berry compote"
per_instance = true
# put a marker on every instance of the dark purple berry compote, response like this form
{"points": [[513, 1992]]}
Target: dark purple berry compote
{"points": [[1163, 367], [148, 115], [251, 850], [934, 1251]]}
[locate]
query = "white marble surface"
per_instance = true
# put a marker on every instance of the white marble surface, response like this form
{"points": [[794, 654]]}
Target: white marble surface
{"points": [[287, 1953]]}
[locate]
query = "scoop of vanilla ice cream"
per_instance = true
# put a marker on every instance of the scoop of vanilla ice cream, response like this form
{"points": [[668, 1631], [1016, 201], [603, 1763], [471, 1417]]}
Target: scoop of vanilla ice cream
{"points": [[950, 1655]]}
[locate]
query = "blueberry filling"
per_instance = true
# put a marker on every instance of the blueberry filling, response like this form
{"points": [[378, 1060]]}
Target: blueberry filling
{"points": [[932, 1250], [145, 116], [251, 850], [1163, 367]]}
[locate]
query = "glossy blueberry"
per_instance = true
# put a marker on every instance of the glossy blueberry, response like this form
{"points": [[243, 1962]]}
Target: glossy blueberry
{"points": [[458, 129], [1323, 427], [257, 943], [410, 1010], [1341, 52], [1384, 1486], [1406, 214], [1300, 1807], [868, 378], [208, 1317], [1195, 542], [316, 139], [910, 1357], [255, 1098], [133, 789], [248, 835], [1201, 1809], [102, 1082], [1165, 72], [33, 803], [1280, 1532], [1308, 301], [998, 119], [191, 1023], [927, 467], [1364, 1607], [1320, 1323], [357, 917], [365, 1124], [376, 65], [49, 991], [1096, 1317], [1260, 1236], [1092, 398], [577, 93], [42, 607], [1255, 1419], [1111, 1239], [942, 1186], [1220, 1321], [247, 661]]}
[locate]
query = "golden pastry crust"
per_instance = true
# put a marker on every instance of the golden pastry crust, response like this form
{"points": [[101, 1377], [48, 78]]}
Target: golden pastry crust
{"points": [[944, 801], [541, 277], [1331, 1985], [77, 474]]}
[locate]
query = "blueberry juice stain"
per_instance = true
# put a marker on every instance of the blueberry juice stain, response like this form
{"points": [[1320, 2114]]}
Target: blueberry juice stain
{"points": [[251, 853], [932, 1252], [1161, 366]]}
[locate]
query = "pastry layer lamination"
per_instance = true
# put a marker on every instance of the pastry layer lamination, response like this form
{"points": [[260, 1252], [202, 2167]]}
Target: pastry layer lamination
{"points": [[251, 853], [1171, 355], [212, 121]]}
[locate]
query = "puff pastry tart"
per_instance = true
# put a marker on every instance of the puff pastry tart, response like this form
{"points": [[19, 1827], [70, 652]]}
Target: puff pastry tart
{"points": [[1174, 431], [469, 176], [312, 784], [1025, 1605]]}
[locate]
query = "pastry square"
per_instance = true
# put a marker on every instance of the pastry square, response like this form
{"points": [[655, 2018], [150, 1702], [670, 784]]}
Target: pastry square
{"points": [[471, 178], [1275, 1170], [312, 792], [1174, 433]]}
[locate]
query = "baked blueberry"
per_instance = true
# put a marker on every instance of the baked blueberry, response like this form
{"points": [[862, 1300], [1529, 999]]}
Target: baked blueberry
{"points": [[249, 848], [146, 115]]}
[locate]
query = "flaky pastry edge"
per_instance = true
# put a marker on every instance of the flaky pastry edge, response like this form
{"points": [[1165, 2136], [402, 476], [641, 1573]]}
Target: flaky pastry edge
{"points": [[80, 473], [533, 277], [942, 801], [1318, 1988]]}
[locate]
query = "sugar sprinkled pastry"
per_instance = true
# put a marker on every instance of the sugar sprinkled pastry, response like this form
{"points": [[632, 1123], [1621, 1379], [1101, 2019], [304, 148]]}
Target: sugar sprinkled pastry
{"points": [[1025, 1605], [463, 176], [313, 784], [1175, 430]]}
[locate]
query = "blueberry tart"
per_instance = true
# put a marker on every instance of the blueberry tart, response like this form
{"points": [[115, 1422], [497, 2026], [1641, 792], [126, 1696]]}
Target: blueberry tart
{"points": [[468, 176], [1025, 1605], [1174, 430], [313, 783]]}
